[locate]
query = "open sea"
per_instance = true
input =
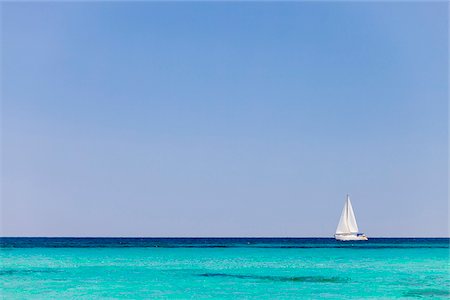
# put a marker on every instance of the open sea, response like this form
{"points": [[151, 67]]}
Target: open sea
{"points": [[223, 268]]}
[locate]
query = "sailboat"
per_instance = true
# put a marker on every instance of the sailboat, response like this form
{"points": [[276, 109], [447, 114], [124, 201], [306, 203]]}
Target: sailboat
{"points": [[347, 229]]}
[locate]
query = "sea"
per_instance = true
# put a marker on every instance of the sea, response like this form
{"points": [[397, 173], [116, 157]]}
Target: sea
{"points": [[224, 268]]}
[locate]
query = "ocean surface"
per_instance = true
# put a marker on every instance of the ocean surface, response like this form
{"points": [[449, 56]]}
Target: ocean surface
{"points": [[223, 268]]}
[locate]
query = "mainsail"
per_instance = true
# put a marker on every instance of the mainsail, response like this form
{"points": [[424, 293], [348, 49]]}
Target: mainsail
{"points": [[347, 223]]}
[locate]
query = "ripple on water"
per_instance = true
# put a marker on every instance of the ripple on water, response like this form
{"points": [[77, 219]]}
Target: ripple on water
{"points": [[9, 272], [314, 279], [426, 293]]}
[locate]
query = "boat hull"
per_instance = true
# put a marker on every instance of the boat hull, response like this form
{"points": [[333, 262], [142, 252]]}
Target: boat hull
{"points": [[350, 237]]}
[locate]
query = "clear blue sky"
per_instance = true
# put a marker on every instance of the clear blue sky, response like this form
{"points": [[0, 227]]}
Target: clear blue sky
{"points": [[223, 119]]}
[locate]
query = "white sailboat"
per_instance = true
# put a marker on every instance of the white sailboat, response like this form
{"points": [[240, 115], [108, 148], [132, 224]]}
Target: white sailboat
{"points": [[347, 229]]}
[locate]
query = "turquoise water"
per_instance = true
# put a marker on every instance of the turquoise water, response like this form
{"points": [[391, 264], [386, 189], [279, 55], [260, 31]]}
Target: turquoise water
{"points": [[224, 268]]}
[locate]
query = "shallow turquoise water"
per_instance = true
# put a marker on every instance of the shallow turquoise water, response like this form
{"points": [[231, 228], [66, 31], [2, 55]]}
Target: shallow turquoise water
{"points": [[224, 268]]}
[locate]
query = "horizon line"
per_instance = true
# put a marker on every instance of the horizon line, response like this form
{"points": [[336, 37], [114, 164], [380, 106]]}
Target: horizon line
{"points": [[222, 237]]}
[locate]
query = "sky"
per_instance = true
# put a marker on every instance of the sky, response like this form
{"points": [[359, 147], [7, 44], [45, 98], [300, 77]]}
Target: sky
{"points": [[215, 119]]}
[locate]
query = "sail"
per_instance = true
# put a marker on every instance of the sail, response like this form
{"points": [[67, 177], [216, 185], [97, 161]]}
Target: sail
{"points": [[351, 221], [347, 222], [343, 225]]}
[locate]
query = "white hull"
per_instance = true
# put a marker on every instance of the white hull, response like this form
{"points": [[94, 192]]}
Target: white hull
{"points": [[350, 237]]}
